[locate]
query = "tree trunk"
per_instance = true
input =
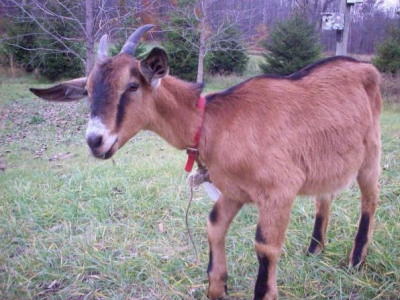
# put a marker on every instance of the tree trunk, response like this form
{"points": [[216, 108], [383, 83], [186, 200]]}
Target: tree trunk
{"points": [[12, 67], [89, 36], [200, 67]]}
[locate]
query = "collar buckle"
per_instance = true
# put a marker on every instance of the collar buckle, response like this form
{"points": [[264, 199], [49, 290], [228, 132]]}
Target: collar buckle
{"points": [[193, 152]]}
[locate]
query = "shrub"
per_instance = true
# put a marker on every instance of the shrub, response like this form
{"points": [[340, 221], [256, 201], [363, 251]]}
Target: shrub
{"points": [[390, 88], [293, 44], [55, 66], [232, 58], [52, 64], [20, 37], [388, 53], [61, 63]]}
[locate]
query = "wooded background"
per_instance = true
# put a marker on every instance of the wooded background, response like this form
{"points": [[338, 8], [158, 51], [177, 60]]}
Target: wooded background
{"points": [[72, 27]]}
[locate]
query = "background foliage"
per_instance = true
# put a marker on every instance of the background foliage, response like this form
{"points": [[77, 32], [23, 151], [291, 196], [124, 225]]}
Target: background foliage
{"points": [[232, 59], [292, 45], [52, 65], [387, 59], [183, 56]]}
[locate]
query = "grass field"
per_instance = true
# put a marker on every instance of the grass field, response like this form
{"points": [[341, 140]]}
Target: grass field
{"points": [[72, 227]]}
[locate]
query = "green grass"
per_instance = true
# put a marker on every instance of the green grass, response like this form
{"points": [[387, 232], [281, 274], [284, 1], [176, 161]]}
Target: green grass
{"points": [[79, 228], [217, 83]]}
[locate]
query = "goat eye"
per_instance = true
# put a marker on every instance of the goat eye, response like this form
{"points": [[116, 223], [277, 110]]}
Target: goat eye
{"points": [[133, 87]]}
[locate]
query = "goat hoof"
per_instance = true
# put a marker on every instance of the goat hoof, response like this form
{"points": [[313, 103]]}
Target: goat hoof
{"points": [[314, 250], [356, 263], [357, 260], [215, 294]]}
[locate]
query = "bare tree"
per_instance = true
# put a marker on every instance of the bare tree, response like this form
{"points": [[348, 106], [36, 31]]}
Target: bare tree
{"points": [[209, 19], [211, 22], [89, 36], [86, 21]]}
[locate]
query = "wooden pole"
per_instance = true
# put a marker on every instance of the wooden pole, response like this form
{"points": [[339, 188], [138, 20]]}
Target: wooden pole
{"points": [[342, 36], [12, 67]]}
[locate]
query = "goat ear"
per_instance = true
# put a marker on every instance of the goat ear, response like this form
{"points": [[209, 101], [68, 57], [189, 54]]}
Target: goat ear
{"points": [[67, 91], [155, 65]]}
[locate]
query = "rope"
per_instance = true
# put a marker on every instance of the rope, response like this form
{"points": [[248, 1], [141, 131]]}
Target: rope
{"points": [[187, 224]]}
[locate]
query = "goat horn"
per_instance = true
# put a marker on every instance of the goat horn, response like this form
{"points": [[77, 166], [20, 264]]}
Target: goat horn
{"points": [[103, 48], [133, 40]]}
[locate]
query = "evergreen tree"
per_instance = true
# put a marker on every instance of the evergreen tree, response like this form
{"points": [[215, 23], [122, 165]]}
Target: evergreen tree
{"points": [[20, 38], [23, 39], [293, 44], [60, 63], [116, 49], [232, 58], [183, 57], [388, 53]]}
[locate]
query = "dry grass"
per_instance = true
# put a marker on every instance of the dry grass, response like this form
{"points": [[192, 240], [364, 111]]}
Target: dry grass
{"points": [[390, 88]]}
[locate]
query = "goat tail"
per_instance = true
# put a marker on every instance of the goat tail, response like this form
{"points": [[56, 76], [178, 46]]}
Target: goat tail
{"points": [[371, 80]]}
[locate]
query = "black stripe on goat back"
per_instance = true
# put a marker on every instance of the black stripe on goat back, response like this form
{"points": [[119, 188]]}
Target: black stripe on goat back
{"points": [[293, 77]]}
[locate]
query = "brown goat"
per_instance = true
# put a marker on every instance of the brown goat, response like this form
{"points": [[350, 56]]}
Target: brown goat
{"points": [[263, 141]]}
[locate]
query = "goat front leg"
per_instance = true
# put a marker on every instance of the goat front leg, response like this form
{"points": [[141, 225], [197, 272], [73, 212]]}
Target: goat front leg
{"points": [[274, 215], [218, 223]]}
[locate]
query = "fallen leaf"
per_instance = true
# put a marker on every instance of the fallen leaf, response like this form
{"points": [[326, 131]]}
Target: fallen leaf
{"points": [[53, 285], [116, 191], [161, 227], [62, 156]]}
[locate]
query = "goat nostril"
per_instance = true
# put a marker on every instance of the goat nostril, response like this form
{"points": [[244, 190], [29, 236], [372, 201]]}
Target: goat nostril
{"points": [[94, 141]]}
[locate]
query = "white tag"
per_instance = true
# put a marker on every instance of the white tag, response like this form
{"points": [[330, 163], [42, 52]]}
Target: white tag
{"points": [[211, 190]]}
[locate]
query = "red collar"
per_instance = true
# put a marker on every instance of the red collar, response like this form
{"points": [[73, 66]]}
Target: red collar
{"points": [[193, 151]]}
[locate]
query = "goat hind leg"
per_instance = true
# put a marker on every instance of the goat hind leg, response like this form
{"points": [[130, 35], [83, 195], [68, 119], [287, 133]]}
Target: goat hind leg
{"points": [[322, 206], [274, 215], [218, 223], [367, 179]]}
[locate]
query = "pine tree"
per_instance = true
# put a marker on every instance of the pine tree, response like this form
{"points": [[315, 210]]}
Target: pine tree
{"points": [[51, 64], [388, 53], [21, 35], [232, 58], [61, 64], [293, 44], [183, 57]]}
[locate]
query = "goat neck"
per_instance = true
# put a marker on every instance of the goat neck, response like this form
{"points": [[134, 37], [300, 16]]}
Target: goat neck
{"points": [[176, 117]]}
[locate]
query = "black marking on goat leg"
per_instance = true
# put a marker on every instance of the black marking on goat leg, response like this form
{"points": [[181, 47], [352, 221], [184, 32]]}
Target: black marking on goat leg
{"points": [[361, 239], [210, 263], [225, 279], [259, 236], [317, 234], [213, 217], [261, 288]]}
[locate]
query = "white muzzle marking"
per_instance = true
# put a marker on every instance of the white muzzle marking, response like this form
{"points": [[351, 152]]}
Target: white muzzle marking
{"points": [[97, 127]]}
